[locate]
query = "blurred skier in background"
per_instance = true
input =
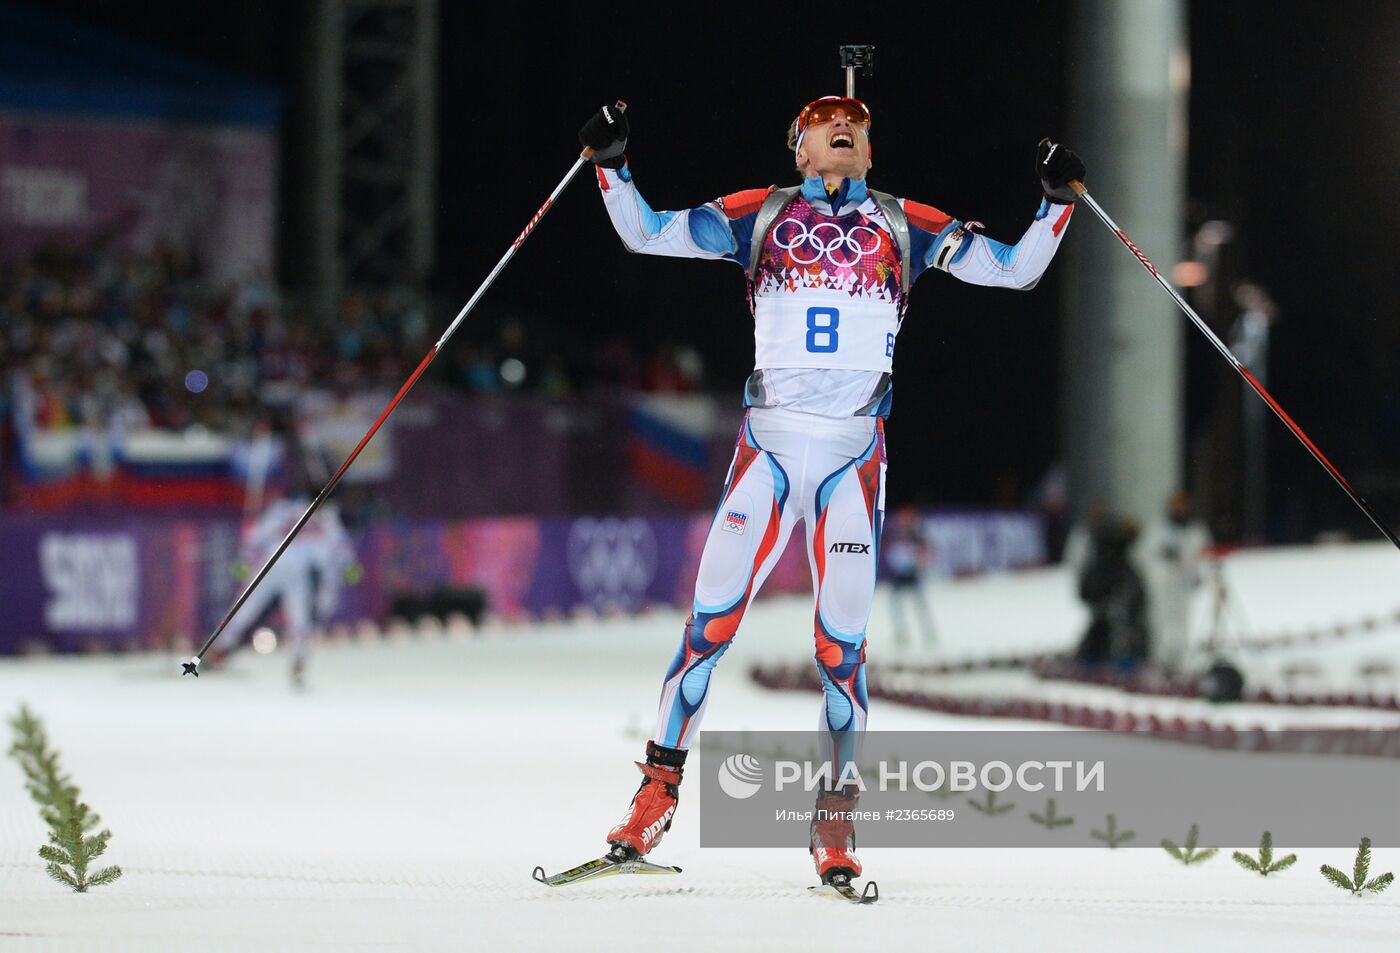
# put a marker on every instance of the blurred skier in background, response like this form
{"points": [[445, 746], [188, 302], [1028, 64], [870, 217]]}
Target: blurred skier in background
{"points": [[908, 555], [306, 582]]}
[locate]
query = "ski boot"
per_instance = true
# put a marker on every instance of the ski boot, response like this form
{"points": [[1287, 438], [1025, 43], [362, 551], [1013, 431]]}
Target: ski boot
{"points": [[834, 837], [649, 815]]}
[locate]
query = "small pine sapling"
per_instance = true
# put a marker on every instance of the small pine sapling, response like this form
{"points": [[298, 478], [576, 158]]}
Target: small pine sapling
{"points": [[71, 849], [1188, 854], [1113, 836], [1357, 882], [1049, 820], [1265, 864], [990, 806]]}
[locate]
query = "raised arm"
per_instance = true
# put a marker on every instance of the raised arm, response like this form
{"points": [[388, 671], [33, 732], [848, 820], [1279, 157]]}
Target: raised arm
{"points": [[942, 242], [702, 232]]}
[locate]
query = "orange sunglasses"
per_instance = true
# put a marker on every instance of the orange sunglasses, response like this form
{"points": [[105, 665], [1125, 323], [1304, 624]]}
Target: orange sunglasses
{"points": [[832, 107]]}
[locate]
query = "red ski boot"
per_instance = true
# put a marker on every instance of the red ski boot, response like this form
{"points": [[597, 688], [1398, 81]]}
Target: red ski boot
{"points": [[834, 837], [654, 804]]}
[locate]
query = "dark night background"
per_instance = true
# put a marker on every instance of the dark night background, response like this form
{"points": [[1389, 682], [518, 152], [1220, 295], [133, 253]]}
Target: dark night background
{"points": [[1294, 137]]}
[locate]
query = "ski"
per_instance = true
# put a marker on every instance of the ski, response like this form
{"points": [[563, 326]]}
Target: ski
{"points": [[612, 863], [839, 888]]}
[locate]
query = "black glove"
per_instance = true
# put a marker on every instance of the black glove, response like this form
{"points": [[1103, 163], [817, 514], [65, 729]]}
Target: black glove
{"points": [[1057, 166], [606, 134]]}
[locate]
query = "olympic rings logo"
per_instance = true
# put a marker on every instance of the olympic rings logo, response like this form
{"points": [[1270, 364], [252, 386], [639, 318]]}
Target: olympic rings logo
{"points": [[841, 248], [612, 561]]}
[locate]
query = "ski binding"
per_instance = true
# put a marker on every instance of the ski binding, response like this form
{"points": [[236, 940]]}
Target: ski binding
{"points": [[619, 860], [838, 887]]}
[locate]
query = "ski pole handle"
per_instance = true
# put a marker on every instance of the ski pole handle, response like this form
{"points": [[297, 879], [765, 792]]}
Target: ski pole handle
{"points": [[1079, 187]]}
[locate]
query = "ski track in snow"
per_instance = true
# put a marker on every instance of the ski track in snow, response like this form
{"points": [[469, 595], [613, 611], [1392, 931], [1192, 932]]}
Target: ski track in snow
{"points": [[401, 801]]}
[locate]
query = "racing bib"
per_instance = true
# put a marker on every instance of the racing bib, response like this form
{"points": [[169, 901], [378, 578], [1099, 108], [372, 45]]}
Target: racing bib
{"points": [[827, 292], [823, 329]]}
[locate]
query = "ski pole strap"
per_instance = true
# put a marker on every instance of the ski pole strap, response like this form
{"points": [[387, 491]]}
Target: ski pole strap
{"points": [[899, 227]]}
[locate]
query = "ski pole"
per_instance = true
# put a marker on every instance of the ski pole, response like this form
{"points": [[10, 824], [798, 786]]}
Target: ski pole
{"points": [[192, 666], [1243, 371]]}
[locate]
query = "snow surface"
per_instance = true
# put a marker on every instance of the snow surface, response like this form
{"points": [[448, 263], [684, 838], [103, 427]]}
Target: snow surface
{"points": [[402, 799]]}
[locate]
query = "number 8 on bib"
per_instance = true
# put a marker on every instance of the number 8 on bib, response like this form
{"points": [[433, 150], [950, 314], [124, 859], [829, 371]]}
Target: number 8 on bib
{"points": [[822, 336]]}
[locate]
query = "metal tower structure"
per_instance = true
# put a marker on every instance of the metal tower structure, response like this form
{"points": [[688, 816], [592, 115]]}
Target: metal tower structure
{"points": [[372, 129]]}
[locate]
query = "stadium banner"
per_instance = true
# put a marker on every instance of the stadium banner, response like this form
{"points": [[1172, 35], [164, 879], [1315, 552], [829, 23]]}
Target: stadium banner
{"points": [[91, 584], [113, 585], [70, 181]]}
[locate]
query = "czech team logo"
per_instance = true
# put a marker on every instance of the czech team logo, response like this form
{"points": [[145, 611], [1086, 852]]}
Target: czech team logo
{"points": [[740, 776], [734, 522]]}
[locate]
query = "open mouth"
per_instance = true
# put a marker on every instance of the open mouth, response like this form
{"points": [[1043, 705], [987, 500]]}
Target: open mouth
{"points": [[843, 140]]}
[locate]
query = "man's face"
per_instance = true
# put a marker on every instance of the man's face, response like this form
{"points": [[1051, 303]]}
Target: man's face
{"points": [[838, 147]]}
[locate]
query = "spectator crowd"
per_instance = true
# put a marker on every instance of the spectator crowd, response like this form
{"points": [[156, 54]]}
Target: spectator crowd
{"points": [[102, 339]]}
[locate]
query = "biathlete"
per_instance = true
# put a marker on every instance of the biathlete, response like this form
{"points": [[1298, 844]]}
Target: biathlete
{"points": [[830, 264]]}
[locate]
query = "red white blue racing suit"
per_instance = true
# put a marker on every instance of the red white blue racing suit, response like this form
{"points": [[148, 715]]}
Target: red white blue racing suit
{"points": [[827, 302]]}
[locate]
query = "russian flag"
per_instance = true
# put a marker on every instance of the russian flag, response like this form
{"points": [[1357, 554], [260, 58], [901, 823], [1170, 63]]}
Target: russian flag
{"points": [[668, 446]]}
